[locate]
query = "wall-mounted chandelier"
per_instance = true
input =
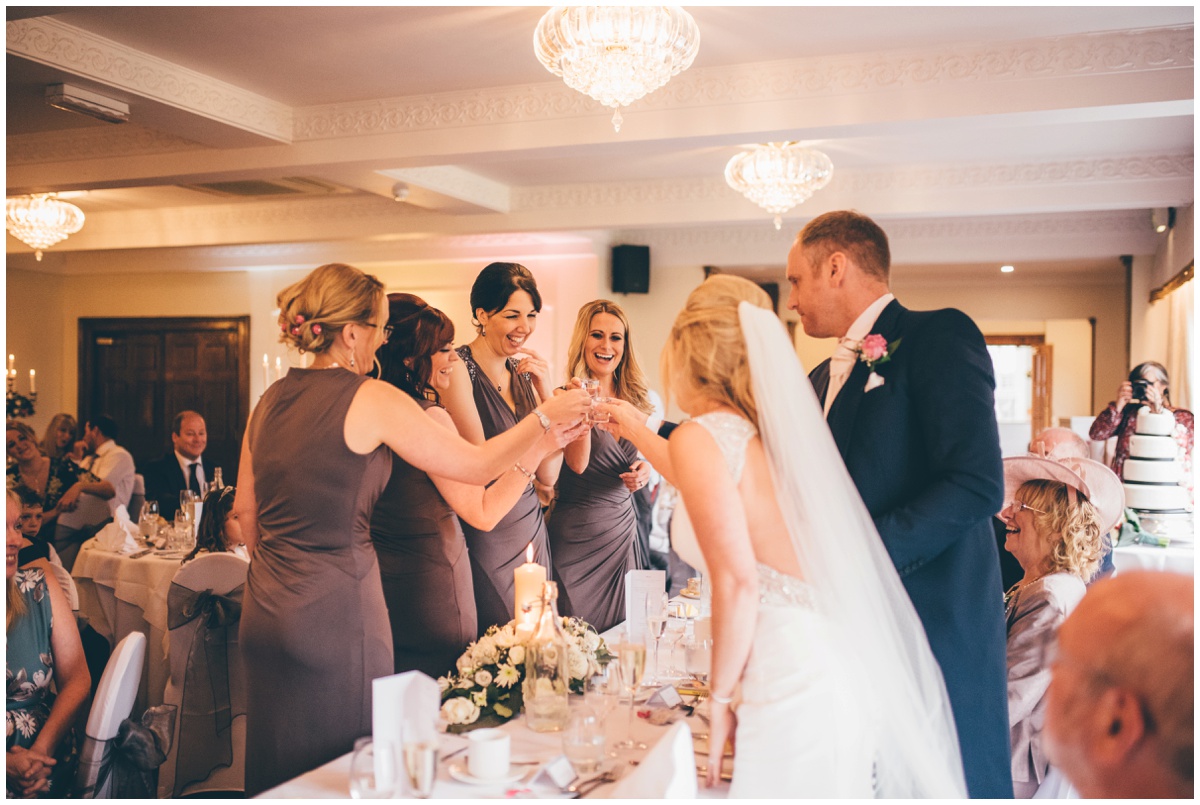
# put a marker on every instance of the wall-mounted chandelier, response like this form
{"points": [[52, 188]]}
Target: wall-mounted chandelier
{"points": [[41, 220], [778, 176], [616, 54]]}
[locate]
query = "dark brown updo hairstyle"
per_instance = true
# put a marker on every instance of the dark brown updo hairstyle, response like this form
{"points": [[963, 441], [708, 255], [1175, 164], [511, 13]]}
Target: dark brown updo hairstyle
{"points": [[210, 534], [418, 331], [496, 283], [314, 310]]}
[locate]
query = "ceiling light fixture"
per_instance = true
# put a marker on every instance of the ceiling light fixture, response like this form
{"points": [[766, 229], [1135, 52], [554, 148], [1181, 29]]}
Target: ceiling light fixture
{"points": [[85, 102], [1007, 269], [778, 176], [1162, 218], [41, 220], [616, 54]]}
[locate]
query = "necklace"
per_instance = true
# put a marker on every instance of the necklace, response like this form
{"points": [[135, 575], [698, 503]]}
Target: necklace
{"points": [[1014, 591]]}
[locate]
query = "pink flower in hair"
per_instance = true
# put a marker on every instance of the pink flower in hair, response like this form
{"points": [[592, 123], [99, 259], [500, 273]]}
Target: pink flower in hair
{"points": [[316, 329]]}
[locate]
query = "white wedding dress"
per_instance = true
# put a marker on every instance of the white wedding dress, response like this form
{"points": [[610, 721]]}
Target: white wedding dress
{"points": [[804, 716], [841, 695]]}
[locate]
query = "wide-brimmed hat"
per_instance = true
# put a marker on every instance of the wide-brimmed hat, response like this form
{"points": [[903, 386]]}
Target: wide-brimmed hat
{"points": [[1097, 482]]}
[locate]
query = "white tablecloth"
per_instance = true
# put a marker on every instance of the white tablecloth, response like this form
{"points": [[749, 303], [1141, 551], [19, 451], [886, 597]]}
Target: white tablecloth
{"points": [[1149, 557], [119, 595]]}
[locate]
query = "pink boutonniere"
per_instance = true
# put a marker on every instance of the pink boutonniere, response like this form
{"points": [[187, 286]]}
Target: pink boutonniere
{"points": [[876, 350]]}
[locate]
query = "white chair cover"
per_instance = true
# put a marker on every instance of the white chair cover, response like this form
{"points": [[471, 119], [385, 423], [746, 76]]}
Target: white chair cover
{"points": [[667, 772], [67, 583], [112, 705], [220, 573]]}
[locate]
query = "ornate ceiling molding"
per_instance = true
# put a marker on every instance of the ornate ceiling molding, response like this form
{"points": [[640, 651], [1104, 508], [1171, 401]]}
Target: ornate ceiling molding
{"points": [[108, 141], [1156, 49], [47, 41]]}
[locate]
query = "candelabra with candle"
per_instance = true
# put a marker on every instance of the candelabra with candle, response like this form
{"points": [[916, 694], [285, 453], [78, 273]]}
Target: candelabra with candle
{"points": [[17, 405]]}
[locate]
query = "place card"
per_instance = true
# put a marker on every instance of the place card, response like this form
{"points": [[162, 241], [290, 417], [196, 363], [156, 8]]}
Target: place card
{"points": [[557, 772], [639, 586], [666, 696]]}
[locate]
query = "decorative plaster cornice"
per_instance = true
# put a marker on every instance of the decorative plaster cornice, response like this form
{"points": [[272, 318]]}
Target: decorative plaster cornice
{"points": [[47, 41], [89, 143], [780, 81]]}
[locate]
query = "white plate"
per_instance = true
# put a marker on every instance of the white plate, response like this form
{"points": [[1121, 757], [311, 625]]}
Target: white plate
{"points": [[685, 594], [459, 772]]}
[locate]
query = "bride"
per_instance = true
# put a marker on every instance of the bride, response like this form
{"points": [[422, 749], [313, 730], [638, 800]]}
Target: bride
{"points": [[821, 669]]}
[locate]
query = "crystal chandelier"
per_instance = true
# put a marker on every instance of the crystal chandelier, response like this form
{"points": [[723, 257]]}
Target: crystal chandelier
{"points": [[778, 176], [616, 54], [41, 220]]}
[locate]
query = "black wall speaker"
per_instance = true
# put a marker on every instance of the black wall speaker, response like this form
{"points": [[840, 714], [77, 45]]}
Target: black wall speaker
{"points": [[631, 269]]}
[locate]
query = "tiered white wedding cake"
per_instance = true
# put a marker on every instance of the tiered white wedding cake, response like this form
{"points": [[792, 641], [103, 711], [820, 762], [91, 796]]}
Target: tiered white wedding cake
{"points": [[1153, 470]]}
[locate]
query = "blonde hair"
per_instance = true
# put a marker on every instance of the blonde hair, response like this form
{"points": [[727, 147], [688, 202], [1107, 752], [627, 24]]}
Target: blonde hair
{"points": [[50, 440], [1075, 525], [16, 600], [706, 352], [314, 310], [629, 383]]}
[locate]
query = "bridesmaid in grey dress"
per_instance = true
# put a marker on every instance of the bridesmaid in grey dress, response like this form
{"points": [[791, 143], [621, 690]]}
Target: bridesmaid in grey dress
{"points": [[314, 628], [498, 389], [423, 556], [593, 525]]}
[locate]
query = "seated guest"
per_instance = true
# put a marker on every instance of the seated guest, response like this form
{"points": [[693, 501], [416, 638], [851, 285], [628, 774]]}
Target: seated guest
{"points": [[182, 468], [60, 438], [42, 648], [1056, 522], [108, 461], [52, 479], [1119, 717], [219, 530], [29, 522]]}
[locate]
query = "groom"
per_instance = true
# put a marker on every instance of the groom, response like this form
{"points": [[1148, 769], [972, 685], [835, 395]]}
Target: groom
{"points": [[908, 397]]}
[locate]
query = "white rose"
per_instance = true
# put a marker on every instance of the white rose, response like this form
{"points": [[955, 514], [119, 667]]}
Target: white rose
{"points": [[464, 664], [577, 663], [504, 638], [591, 641], [485, 652], [516, 655], [460, 710], [444, 683], [507, 676], [483, 678], [479, 697]]}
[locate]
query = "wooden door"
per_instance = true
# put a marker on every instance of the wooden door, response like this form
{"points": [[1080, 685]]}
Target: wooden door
{"points": [[142, 372]]}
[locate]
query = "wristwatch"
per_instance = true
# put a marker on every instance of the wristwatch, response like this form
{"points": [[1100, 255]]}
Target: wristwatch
{"points": [[545, 420]]}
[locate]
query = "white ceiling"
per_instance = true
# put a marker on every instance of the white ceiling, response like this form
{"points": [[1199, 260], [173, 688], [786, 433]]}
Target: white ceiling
{"points": [[989, 120]]}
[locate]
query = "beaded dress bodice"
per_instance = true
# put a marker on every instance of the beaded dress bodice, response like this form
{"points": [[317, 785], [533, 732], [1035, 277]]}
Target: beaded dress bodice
{"points": [[732, 434]]}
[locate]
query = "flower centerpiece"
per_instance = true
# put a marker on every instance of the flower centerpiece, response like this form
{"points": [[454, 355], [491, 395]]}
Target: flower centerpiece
{"points": [[484, 690]]}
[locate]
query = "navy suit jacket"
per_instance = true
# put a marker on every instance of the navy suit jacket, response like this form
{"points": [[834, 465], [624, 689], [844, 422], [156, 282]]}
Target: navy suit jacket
{"points": [[924, 451], [164, 481]]}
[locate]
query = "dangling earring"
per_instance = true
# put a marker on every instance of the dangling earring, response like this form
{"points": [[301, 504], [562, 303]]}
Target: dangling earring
{"points": [[351, 360]]}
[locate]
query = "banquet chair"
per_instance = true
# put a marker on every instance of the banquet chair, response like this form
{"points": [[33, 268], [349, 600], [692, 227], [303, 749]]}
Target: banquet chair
{"points": [[63, 577], [138, 498], [208, 753], [112, 705], [667, 772]]}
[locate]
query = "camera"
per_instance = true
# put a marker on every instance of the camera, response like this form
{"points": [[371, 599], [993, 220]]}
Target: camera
{"points": [[1139, 389]]}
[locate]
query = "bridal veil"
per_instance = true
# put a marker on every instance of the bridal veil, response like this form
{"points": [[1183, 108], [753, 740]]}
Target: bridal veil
{"points": [[845, 561]]}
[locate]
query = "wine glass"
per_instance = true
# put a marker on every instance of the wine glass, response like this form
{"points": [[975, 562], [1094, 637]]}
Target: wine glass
{"points": [[676, 626], [697, 658], [631, 658], [583, 740], [373, 770], [656, 624], [186, 498]]}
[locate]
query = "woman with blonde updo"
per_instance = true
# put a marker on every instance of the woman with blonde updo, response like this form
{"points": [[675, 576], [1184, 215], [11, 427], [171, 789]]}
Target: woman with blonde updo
{"points": [[1056, 523], [315, 458], [593, 524], [810, 622]]}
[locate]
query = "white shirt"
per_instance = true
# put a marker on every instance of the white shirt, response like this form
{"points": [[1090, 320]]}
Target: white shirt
{"points": [[860, 329], [185, 462], [114, 464]]}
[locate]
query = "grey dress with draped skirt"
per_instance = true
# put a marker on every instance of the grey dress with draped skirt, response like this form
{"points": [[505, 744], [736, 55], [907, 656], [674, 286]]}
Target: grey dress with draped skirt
{"points": [[497, 553], [426, 571], [314, 628], [593, 534]]}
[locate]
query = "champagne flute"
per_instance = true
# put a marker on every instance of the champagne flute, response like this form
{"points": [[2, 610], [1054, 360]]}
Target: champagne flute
{"points": [[656, 624], [632, 660], [420, 765]]}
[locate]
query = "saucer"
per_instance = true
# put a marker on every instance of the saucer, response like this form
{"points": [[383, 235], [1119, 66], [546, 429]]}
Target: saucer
{"points": [[459, 772], [685, 593]]}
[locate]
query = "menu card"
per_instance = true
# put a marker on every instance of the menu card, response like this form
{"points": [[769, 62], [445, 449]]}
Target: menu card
{"points": [[640, 585]]}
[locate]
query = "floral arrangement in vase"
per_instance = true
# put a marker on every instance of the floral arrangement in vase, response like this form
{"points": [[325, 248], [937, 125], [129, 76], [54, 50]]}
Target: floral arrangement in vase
{"points": [[485, 688]]}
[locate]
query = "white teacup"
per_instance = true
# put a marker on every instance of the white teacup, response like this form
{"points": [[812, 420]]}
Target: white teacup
{"points": [[488, 753]]}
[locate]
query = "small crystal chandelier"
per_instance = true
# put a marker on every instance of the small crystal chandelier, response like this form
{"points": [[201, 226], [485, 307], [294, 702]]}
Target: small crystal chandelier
{"points": [[616, 54], [41, 220], [778, 176]]}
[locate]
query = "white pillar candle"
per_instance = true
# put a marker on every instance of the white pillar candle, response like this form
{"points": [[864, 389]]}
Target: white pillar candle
{"points": [[32, 382], [278, 368], [527, 587], [266, 372], [11, 360]]}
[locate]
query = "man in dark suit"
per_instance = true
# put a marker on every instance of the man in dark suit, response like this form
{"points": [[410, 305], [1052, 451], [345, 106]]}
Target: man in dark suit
{"points": [[182, 468], [909, 398]]}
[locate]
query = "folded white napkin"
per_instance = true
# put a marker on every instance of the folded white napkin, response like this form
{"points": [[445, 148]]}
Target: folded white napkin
{"points": [[668, 771], [119, 536]]}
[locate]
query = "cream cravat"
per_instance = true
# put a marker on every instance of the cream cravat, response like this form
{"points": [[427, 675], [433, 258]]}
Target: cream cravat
{"points": [[840, 366]]}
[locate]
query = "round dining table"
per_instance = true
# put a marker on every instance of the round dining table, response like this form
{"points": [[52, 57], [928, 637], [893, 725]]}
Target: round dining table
{"points": [[121, 593]]}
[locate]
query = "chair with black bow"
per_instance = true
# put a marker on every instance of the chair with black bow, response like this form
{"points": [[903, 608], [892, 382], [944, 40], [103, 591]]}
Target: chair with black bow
{"points": [[204, 608]]}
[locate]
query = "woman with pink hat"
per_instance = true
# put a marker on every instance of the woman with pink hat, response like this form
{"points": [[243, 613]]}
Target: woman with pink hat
{"points": [[1057, 519]]}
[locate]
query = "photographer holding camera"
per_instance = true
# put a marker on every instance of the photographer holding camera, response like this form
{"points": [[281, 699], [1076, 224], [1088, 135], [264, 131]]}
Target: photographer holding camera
{"points": [[1149, 385]]}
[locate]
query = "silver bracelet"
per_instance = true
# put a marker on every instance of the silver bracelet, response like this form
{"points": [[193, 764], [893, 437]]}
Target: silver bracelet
{"points": [[542, 419], [528, 475], [720, 699]]}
